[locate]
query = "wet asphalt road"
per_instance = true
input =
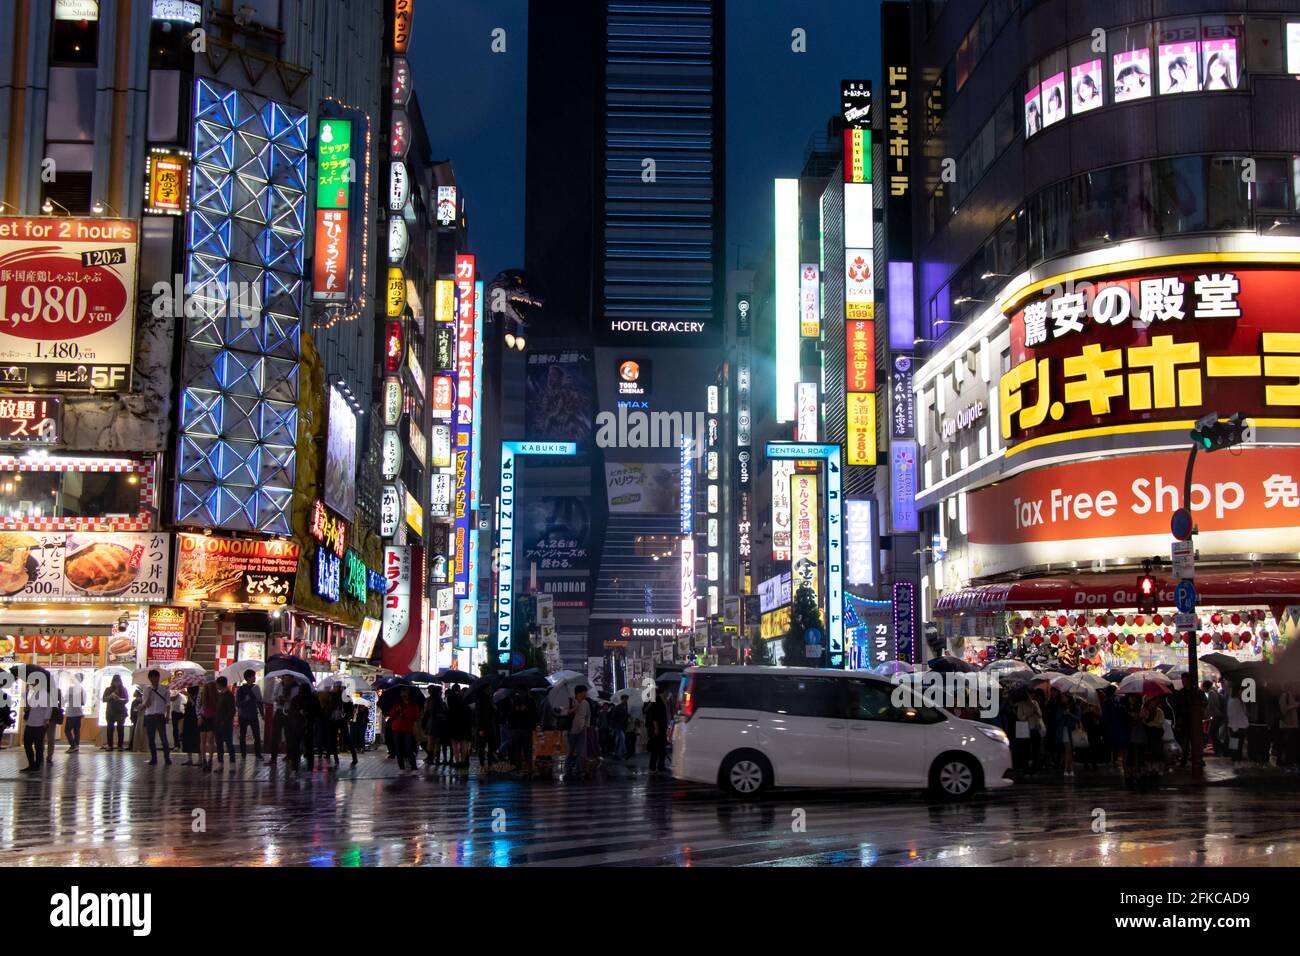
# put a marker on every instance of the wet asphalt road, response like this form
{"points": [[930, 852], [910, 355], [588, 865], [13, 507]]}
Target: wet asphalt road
{"points": [[93, 809]]}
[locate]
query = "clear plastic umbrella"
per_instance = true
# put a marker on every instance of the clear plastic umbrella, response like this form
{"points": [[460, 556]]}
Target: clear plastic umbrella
{"points": [[235, 672]]}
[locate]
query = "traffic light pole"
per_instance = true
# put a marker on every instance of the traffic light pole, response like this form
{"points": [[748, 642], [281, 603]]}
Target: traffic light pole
{"points": [[1192, 682]]}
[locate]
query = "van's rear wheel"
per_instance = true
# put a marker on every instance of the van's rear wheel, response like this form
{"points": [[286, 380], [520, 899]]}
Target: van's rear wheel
{"points": [[955, 776], [745, 774]]}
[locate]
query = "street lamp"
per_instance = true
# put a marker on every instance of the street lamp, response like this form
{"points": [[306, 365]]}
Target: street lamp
{"points": [[49, 206], [99, 206]]}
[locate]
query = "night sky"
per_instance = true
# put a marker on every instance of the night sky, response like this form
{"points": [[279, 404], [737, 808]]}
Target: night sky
{"points": [[474, 104]]}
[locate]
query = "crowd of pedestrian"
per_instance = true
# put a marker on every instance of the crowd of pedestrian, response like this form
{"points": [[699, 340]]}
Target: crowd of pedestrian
{"points": [[305, 725], [1144, 735]]}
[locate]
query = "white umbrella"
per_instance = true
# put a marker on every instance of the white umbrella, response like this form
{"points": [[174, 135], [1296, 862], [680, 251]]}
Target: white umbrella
{"points": [[561, 694], [1135, 683], [561, 676], [1006, 666], [184, 679], [166, 671], [235, 672], [349, 682], [1083, 684]]}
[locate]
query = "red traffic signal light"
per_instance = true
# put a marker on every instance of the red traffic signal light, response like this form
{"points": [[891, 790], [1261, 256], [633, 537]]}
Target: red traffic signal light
{"points": [[1146, 596]]}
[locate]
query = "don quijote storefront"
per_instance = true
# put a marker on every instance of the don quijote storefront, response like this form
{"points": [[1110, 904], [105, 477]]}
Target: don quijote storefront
{"points": [[1055, 441], [82, 561]]}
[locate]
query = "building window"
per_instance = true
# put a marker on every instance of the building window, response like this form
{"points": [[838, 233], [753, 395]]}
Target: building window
{"points": [[74, 43]]}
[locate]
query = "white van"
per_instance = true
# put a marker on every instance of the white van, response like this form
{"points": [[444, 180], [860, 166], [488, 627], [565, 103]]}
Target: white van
{"points": [[750, 728]]}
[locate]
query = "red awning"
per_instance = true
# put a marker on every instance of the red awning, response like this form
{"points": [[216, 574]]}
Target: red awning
{"points": [[1105, 592]]}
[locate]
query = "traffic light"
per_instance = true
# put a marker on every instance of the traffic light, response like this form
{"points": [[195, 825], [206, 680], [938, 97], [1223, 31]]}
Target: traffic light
{"points": [[1146, 590], [1211, 434]]}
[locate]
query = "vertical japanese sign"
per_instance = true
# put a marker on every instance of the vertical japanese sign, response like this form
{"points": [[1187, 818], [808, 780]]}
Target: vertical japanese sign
{"points": [[511, 452], [810, 304], [803, 496], [467, 622], [855, 96], [782, 471], [858, 543], [466, 312], [902, 472], [861, 425], [333, 195], [687, 525], [902, 401]]}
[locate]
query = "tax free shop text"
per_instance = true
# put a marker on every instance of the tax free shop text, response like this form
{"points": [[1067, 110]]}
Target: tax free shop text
{"points": [[1147, 496]]}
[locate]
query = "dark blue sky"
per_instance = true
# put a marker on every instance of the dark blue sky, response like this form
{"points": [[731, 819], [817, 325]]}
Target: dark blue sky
{"points": [[474, 104]]}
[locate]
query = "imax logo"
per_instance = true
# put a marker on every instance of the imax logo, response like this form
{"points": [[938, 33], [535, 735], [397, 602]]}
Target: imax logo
{"points": [[639, 429]]}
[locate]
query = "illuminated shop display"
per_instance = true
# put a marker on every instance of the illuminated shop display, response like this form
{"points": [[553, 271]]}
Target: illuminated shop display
{"points": [[239, 398]]}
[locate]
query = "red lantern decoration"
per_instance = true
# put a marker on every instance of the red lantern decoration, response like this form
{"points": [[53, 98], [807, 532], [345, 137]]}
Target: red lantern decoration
{"points": [[1101, 620], [1139, 620], [1061, 620], [1036, 640], [1092, 640], [1157, 619], [1246, 637], [1029, 622], [1081, 620], [1216, 618], [1236, 618], [1205, 638], [1056, 638], [1151, 638], [1169, 638], [1119, 619], [1044, 621], [1112, 637], [1069, 638], [1131, 640]]}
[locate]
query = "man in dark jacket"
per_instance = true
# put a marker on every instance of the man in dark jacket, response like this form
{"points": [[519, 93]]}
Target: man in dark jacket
{"points": [[521, 719], [618, 728], [657, 729], [224, 725], [300, 726], [248, 702]]}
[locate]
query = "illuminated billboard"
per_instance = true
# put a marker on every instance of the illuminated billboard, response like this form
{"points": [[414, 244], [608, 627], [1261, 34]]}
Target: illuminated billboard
{"points": [[786, 304]]}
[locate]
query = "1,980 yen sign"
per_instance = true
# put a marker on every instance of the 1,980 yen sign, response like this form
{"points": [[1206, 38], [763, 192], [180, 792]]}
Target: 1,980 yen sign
{"points": [[67, 302]]}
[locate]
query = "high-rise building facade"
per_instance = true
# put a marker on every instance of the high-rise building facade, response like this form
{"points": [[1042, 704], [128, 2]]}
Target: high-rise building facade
{"points": [[1104, 206], [624, 242]]}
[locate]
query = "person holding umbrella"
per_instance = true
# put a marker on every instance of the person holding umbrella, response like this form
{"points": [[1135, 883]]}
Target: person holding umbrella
{"points": [[657, 728], [38, 714], [1238, 725], [435, 726], [224, 723], [485, 725], [248, 704], [286, 688], [300, 728], [460, 726], [521, 720], [402, 718]]}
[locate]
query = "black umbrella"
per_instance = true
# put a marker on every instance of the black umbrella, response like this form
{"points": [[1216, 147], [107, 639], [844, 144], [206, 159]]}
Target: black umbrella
{"points": [[532, 679], [1115, 675], [386, 682], [949, 664], [25, 671], [1062, 669], [450, 676], [1224, 664], [389, 698], [420, 677], [284, 662], [487, 680]]}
